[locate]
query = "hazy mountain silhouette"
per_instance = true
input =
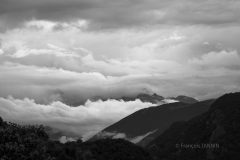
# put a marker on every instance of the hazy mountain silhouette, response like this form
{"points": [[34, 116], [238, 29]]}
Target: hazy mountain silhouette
{"points": [[184, 99], [145, 98], [154, 98]]}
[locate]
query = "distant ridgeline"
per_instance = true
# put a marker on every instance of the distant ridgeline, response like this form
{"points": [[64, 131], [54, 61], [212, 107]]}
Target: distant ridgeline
{"points": [[155, 98], [144, 97]]}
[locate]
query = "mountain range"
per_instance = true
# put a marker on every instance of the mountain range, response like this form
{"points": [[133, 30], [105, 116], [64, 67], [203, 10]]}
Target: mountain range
{"points": [[203, 130], [156, 99], [212, 134], [146, 124]]}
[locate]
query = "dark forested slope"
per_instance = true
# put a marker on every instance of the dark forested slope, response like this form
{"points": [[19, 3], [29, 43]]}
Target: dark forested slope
{"points": [[32, 143], [156, 119], [212, 135]]}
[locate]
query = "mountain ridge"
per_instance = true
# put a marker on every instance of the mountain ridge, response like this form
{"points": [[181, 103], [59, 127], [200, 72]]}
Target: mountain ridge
{"points": [[154, 98], [155, 119], [215, 134]]}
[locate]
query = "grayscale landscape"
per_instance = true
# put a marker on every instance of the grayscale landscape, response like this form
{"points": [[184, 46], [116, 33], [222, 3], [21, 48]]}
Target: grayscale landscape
{"points": [[119, 79]]}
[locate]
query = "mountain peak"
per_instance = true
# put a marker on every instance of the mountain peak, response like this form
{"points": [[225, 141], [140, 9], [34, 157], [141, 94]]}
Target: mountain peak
{"points": [[185, 99]]}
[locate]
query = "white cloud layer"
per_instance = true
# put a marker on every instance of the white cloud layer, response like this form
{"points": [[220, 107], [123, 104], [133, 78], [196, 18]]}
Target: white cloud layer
{"points": [[82, 121], [46, 85]]}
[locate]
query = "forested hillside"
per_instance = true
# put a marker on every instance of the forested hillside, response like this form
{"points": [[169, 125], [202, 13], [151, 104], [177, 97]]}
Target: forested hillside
{"points": [[212, 135], [32, 143]]}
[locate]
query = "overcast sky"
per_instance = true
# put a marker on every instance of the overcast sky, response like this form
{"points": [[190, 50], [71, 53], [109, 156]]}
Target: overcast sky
{"points": [[57, 53]]}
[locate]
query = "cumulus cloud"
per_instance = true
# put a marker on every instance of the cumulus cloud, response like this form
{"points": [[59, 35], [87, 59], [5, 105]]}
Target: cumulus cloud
{"points": [[82, 121], [227, 59], [80, 59]]}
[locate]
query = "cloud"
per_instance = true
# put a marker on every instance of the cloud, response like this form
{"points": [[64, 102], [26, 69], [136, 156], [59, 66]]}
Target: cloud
{"points": [[116, 135], [119, 135], [123, 45], [139, 138], [82, 60], [80, 120], [227, 59], [25, 52], [106, 14], [45, 85], [45, 25], [170, 101], [20, 50], [65, 139], [55, 26]]}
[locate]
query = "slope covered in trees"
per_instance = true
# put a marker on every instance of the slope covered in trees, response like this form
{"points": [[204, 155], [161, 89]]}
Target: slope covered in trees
{"points": [[32, 143], [156, 119], [212, 135]]}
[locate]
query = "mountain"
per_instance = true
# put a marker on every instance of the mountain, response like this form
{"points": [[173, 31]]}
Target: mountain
{"points": [[146, 124], [211, 135], [145, 98], [154, 98], [184, 99]]}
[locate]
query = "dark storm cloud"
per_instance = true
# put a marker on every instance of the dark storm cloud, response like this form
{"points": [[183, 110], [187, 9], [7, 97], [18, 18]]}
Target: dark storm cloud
{"points": [[105, 14], [15, 12], [101, 13]]}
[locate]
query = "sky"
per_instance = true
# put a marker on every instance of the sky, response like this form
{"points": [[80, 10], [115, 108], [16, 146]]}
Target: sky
{"points": [[57, 56]]}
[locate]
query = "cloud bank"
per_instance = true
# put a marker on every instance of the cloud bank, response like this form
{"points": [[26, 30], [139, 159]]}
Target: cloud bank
{"points": [[82, 121], [112, 14]]}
